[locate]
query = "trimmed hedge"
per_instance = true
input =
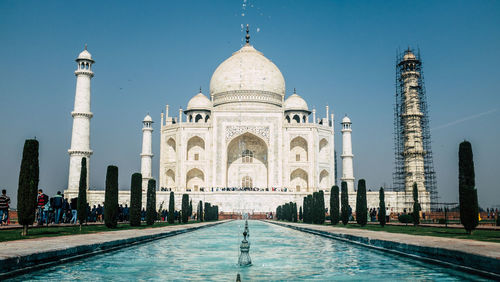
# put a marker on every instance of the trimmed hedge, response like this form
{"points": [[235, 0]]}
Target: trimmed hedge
{"points": [[82, 194], [151, 203], [467, 191], [361, 206], [111, 197], [28, 185], [135, 199]]}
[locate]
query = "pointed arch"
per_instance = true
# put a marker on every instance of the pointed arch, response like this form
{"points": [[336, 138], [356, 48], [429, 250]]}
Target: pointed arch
{"points": [[299, 180], [298, 150], [171, 150], [195, 149], [324, 179], [195, 179], [247, 155], [324, 150], [170, 178]]}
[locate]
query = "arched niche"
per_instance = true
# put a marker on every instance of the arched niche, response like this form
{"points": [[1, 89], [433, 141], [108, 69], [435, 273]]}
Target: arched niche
{"points": [[247, 155]]}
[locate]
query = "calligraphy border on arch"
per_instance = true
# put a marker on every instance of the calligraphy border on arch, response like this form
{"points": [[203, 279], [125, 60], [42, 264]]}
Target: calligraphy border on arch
{"points": [[236, 130]]}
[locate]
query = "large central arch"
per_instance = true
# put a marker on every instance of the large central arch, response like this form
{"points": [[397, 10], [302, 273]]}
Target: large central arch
{"points": [[247, 157]]}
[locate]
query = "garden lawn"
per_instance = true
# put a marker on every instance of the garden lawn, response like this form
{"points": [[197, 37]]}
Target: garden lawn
{"points": [[38, 232], [480, 235]]}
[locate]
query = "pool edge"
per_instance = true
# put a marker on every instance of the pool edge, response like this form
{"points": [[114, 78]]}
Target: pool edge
{"points": [[15, 266], [426, 254]]}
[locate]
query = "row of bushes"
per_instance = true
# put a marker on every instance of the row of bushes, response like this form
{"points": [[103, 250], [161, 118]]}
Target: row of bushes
{"points": [[287, 212]]}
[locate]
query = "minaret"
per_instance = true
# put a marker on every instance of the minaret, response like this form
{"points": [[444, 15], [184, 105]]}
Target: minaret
{"points": [[80, 136], [347, 168], [147, 152], [413, 150]]}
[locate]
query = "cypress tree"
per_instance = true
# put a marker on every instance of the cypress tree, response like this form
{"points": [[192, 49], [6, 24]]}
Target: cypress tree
{"points": [[135, 199], [190, 208], [294, 212], [185, 208], [207, 211], [304, 215], [82, 194], [361, 206], [416, 206], [171, 208], [381, 207], [314, 208], [200, 211], [300, 214], [309, 209], [334, 205], [28, 185], [111, 197], [151, 202], [344, 196], [321, 207], [469, 208]]}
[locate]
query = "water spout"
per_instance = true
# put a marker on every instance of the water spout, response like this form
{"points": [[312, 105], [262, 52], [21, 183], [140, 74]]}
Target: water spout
{"points": [[244, 258]]}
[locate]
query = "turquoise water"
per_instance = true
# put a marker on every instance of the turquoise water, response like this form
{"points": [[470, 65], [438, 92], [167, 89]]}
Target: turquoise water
{"points": [[277, 253]]}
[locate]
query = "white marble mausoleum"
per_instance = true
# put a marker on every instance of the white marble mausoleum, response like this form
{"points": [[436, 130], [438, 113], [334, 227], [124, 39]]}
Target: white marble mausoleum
{"points": [[245, 146]]}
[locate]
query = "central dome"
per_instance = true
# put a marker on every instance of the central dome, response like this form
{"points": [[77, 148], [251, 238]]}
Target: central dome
{"points": [[247, 70]]}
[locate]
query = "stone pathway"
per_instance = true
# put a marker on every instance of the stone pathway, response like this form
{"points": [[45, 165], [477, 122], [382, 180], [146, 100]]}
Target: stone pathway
{"points": [[19, 254]]}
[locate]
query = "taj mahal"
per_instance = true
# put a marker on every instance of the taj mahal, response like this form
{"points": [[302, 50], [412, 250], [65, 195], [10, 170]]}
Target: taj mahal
{"points": [[245, 146]]}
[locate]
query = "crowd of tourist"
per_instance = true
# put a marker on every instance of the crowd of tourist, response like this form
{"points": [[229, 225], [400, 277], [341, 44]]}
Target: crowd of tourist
{"points": [[234, 189], [57, 209]]}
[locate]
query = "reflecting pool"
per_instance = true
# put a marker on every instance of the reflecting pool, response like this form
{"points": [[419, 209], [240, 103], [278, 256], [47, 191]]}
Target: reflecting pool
{"points": [[277, 253]]}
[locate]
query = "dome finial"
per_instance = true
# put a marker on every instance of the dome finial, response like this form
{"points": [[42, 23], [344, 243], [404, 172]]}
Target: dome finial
{"points": [[200, 89], [248, 35], [85, 48], [294, 92]]}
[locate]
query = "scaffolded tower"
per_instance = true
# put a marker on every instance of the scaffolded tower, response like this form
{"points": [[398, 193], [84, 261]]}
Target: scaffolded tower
{"points": [[412, 138]]}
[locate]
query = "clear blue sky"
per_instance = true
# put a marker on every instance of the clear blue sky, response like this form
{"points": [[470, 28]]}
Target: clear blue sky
{"points": [[340, 53]]}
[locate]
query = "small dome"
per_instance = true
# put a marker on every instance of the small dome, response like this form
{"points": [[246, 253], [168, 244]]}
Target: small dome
{"points": [[409, 55], [199, 102], [346, 120], [295, 102], [148, 118], [85, 55]]}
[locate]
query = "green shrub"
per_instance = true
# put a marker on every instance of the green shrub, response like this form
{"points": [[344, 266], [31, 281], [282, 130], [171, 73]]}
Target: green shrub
{"points": [[469, 208], [111, 197], [405, 218], [82, 194], [416, 206], [185, 208], [151, 202], [171, 208], [361, 206], [344, 213], [28, 185], [334, 205], [135, 199], [381, 207]]}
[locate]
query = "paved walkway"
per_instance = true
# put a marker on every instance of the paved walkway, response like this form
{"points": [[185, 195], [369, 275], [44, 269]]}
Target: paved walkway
{"points": [[31, 252], [489, 249]]}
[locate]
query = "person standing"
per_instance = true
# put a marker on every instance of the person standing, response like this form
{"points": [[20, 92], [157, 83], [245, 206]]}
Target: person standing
{"points": [[41, 202], [4, 208], [58, 205], [73, 206]]}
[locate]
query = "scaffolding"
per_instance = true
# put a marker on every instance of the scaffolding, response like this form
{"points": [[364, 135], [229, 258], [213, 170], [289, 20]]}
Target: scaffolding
{"points": [[399, 175]]}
